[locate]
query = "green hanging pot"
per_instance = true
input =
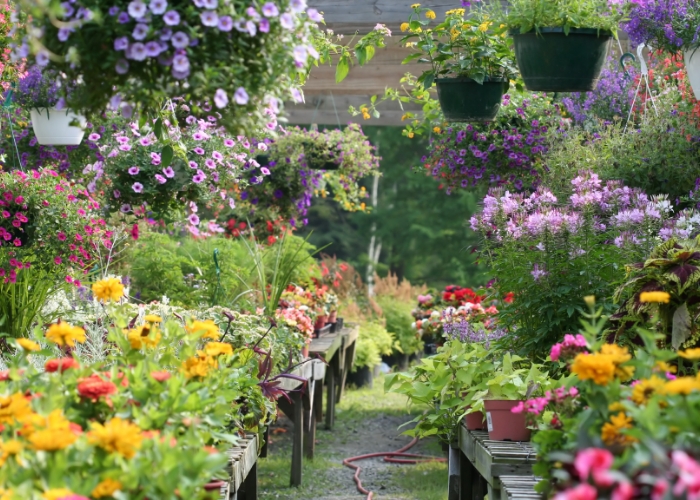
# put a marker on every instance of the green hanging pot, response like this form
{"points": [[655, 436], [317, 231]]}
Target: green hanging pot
{"points": [[550, 61], [315, 162], [465, 100]]}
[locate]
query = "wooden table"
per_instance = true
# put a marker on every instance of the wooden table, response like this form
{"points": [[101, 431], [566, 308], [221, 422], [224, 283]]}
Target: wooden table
{"points": [[303, 411], [338, 351], [482, 464], [243, 462]]}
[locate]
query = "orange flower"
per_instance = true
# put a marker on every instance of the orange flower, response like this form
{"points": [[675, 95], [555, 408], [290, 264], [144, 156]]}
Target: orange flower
{"points": [[63, 364], [94, 387], [161, 376]]}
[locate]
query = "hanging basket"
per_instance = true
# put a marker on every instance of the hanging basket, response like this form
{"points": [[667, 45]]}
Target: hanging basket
{"points": [[315, 163], [52, 127], [692, 67], [464, 100], [550, 61]]}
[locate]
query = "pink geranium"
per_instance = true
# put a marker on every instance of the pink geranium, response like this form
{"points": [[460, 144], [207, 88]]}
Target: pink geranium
{"points": [[580, 492], [595, 462]]}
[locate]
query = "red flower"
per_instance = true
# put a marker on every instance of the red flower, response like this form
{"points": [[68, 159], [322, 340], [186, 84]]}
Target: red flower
{"points": [[94, 387], [161, 376], [4, 375], [135, 232], [63, 364], [508, 299]]}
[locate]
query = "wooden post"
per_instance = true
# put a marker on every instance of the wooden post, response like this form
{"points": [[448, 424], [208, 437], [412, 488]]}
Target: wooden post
{"points": [[453, 490], [266, 441], [349, 353], [250, 484], [310, 421], [318, 401], [297, 439], [330, 393]]}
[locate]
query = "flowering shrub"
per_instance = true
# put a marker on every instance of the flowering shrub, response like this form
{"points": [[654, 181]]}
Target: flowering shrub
{"points": [[670, 25], [551, 253], [244, 59], [508, 151], [528, 15], [37, 89]]}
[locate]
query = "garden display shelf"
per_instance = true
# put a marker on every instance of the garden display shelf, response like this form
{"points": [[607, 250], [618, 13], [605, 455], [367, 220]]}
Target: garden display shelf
{"points": [[243, 460], [479, 466]]}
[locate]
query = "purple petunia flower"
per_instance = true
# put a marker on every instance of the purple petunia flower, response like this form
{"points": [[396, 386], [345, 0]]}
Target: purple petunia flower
{"points": [[229, 143], [137, 9], [270, 10], [198, 178], [181, 63], [134, 170], [209, 4], [136, 51], [210, 163], [94, 137], [217, 156], [121, 43], [137, 187], [171, 18], [122, 66], [220, 98], [297, 6], [158, 6], [193, 219], [160, 179], [155, 159], [113, 10], [287, 21], [264, 170], [180, 40], [193, 164], [63, 34], [241, 96], [264, 26], [209, 18], [251, 28], [225, 23], [123, 18], [169, 172], [140, 31], [314, 15], [153, 49]]}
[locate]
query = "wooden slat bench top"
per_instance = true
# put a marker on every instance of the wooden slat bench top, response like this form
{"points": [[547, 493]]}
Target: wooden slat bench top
{"points": [[326, 346], [242, 458], [519, 488]]}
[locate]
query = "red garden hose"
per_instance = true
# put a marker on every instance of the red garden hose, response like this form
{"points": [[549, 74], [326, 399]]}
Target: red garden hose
{"points": [[409, 458]]}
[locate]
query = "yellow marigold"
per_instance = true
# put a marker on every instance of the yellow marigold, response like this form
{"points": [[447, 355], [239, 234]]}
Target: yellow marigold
{"points": [[437, 130], [55, 433], [415, 5], [28, 345], [404, 26], [106, 488], [152, 318], [116, 436], [661, 297], [429, 14], [596, 367], [610, 433], [619, 355], [664, 367], [65, 334], [682, 385], [57, 493], [143, 336], [198, 366], [108, 289], [484, 27], [215, 349], [210, 329], [690, 353], [8, 449], [645, 389], [14, 408]]}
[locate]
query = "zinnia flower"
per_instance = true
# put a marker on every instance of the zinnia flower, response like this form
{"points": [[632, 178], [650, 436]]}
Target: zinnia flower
{"points": [[610, 433], [65, 334], [215, 349], [14, 408], [51, 433], [198, 366], [62, 364], [116, 436], [28, 345], [161, 376], [209, 329], [94, 387], [106, 487]]}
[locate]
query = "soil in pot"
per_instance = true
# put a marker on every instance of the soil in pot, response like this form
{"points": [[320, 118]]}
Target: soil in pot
{"points": [[503, 424], [551, 61], [464, 100]]}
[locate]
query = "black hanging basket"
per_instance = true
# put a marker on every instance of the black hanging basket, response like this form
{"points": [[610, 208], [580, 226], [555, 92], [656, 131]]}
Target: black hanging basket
{"points": [[465, 100], [314, 162], [550, 61]]}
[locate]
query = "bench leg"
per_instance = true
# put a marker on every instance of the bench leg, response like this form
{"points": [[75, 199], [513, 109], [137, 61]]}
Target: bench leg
{"points": [[330, 394], [453, 467], [318, 401], [310, 421], [471, 485], [297, 439], [249, 491]]}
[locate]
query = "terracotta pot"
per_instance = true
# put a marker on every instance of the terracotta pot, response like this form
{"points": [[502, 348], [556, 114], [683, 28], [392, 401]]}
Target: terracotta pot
{"points": [[504, 425], [305, 350], [214, 485], [333, 317], [320, 322], [475, 421]]}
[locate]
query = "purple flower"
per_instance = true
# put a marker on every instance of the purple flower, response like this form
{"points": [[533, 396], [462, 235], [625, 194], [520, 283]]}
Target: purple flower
{"points": [[193, 164], [210, 4], [251, 28], [42, 58], [137, 52], [220, 98], [300, 54], [241, 96], [171, 18], [180, 40], [209, 18], [123, 18], [137, 187], [140, 31], [113, 11], [264, 26], [121, 43], [225, 23], [287, 21], [122, 66], [198, 178], [169, 172], [198, 151], [63, 34], [229, 143], [270, 10], [161, 179], [315, 16], [137, 9], [264, 170], [193, 219], [153, 49], [278, 193], [155, 159], [181, 63], [126, 208], [134, 170], [199, 136], [158, 6], [217, 156], [94, 137], [297, 6], [210, 163]]}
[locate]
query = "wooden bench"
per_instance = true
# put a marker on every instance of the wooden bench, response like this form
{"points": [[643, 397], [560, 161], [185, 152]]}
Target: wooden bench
{"points": [[338, 351], [485, 464], [519, 488], [243, 461]]}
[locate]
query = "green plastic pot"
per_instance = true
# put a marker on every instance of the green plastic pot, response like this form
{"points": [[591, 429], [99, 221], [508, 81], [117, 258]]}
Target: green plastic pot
{"points": [[550, 61], [464, 100]]}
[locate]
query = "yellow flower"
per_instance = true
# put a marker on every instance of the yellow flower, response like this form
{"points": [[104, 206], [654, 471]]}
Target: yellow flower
{"points": [[198, 366], [55, 434], [108, 289], [645, 389], [116, 436], [415, 5], [210, 329], [616, 406], [106, 488], [619, 355], [661, 297], [6, 494], [363, 206], [65, 334], [57, 493], [417, 30], [690, 353], [405, 116], [459, 12], [404, 26], [610, 433], [411, 135], [215, 349], [152, 318], [143, 336], [484, 27], [664, 367], [429, 14], [437, 130], [28, 345], [682, 385], [410, 44], [14, 407], [365, 112], [596, 367], [8, 449]]}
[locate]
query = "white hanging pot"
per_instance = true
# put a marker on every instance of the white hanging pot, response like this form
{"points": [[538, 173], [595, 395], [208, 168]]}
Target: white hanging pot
{"points": [[692, 66], [52, 127]]}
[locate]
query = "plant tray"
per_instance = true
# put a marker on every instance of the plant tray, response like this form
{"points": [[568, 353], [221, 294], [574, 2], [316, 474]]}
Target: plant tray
{"points": [[323, 331]]}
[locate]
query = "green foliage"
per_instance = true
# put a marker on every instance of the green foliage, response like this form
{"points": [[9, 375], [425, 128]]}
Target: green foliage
{"points": [[398, 319], [373, 343]]}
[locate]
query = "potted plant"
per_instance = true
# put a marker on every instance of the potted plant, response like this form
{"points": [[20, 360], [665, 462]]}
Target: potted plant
{"points": [[561, 45], [40, 92], [470, 57], [670, 26]]}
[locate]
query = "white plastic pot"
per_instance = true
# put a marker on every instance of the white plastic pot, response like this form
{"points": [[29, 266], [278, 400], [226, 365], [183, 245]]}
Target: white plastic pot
{"points": [[692, 66], [52, 127]]}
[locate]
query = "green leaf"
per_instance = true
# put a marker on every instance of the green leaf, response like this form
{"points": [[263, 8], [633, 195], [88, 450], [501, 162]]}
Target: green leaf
{"points": [[158, 128], [342, 70], [370, 53], [681, 326], [361, 54], [166, 155]]}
